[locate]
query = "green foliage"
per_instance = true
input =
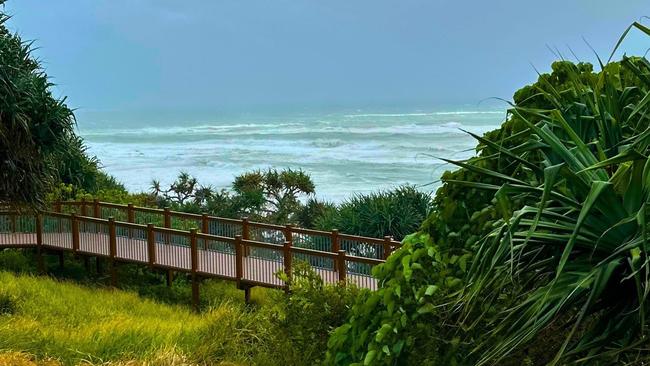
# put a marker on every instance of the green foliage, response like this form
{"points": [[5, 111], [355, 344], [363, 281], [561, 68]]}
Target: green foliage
{"points": [[554, 208], [315, 210], [579, 244], [8, 304], [277, 191], [35, 128], [395, 213], [75, 324], [268, 196], [312, 310], [39, 151], [15, 261], [405, 312]]}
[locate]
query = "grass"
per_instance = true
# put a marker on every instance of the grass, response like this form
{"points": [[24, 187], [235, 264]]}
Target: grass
{"points": [[50, 318], [73, 323], [72, 317]]}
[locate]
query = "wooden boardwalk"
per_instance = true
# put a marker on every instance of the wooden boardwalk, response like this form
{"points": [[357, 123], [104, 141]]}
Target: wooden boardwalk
{"points": [[247, 262]]}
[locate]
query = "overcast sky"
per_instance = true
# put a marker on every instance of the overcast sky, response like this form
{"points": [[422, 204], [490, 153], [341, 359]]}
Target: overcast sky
{"points": [[161, 55]]}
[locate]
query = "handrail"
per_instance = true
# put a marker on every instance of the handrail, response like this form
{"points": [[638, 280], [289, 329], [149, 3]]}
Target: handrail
{"points": [[225, 258], [387, 244]]}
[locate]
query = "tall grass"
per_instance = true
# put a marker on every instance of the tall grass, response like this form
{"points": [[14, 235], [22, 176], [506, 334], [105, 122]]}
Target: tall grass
{"points": [[73, 323]]}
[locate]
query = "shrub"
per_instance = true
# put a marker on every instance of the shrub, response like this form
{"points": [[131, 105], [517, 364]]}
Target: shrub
{"points": [[312, 310], [35, 127], [578, 246], [396, 213], [554, 208], [15, 260], [405, 313], [8, 303]]}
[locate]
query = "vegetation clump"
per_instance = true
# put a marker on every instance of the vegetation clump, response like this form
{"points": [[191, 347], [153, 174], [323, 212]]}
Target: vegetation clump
{"points": [[551, 218]]}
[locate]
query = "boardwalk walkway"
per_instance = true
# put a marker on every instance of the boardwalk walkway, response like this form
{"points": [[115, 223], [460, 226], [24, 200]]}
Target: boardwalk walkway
{"points": [[334, 256]]}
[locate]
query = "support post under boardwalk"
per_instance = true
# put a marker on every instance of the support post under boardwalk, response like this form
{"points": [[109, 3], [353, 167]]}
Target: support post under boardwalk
{"points": [[247, 294], [98, 265], [170, 277]]}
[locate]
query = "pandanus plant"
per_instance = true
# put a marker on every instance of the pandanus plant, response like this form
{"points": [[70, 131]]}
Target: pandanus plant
{"points": [[572, 247]]}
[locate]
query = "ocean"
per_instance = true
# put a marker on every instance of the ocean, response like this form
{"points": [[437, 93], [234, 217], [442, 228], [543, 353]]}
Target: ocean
{"points": [[345, 153]]}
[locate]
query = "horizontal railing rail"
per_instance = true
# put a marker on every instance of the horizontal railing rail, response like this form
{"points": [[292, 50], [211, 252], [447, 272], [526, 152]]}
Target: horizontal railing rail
{"points": [[241, 258], [329, 241]]}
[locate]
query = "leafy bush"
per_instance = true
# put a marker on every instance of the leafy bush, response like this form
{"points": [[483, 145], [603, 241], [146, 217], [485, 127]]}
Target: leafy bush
{"points": [[396, 213], [8, 304], [405, 313], [35, 127], [578, 246], [312, 310], [554, 208], [267, 196], [15, 261]]}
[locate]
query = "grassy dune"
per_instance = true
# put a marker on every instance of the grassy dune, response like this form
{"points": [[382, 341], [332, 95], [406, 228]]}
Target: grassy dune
{"points": [[73, 324]]}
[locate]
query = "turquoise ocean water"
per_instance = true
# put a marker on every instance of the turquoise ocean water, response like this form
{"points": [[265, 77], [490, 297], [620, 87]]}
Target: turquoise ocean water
{"points": [[345, 153]]}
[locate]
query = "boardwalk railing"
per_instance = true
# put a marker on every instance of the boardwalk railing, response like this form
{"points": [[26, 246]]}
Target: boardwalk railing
{"points": [[323, 241], [249, 253]]}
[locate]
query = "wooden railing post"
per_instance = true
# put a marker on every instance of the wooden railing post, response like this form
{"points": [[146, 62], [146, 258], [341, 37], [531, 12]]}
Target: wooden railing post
{"points": [[336, 241], [239, 260], [341, 267], [288, 232], [57, 207], [75, 233], [205, 224], [130, 213], [336, 245], [151, 244], [39, 230], [97, 209], [245, 233], [167, 218], [168, 224], [388, 242], [112, 235], [39, 243], [195, 267], [205, 229], [194, 250], [83, 207], [130, 217], [286, 249]]}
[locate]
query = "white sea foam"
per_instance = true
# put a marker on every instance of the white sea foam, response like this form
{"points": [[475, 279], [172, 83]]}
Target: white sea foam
{"points": [[345, 154]]}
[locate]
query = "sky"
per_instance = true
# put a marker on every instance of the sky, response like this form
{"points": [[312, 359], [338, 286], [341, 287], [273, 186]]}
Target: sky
{"points": [[142, 57]]}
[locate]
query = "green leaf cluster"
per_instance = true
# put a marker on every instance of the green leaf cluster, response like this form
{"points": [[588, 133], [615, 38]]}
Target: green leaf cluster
{"points": [[550, 219]]}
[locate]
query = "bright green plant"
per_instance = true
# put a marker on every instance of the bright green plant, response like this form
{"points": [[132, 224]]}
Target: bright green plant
{"points": [[554, 209], [35, 127], [577, 251], [311, 310], [403, 314]]}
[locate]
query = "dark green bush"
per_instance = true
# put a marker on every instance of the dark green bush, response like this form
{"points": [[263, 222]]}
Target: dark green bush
{"points": [[312, 310], [396, 213], [511, 298], [15, 260], [8, 304]]}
